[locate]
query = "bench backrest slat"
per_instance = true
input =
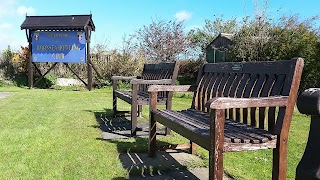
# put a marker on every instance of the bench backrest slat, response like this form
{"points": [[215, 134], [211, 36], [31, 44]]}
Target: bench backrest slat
{"points": [[245, 80], [157, 72]]}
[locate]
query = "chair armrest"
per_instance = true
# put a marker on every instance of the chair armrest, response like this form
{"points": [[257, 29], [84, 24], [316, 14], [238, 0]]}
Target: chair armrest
{"points": [[180, 88], [227, 103], [115, 78], [143, 81]]}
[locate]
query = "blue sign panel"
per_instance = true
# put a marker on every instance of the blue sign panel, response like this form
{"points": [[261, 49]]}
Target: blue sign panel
{"points": [[58, 46]]}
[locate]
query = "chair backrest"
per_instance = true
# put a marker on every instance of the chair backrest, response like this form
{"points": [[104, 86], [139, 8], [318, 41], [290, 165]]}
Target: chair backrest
{"points": [[251, 79], [159, 71]]}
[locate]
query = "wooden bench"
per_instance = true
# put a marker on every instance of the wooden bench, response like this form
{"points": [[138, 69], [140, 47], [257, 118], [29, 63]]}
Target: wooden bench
{"points": [[161, 73], [236, 107]]}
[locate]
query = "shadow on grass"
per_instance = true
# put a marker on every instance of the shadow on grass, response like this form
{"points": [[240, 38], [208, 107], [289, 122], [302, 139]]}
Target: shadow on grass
{"points": [[133, 152]]}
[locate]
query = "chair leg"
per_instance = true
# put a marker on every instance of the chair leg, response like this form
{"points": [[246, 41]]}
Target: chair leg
{"points": [[279, 166], [152, 136]]}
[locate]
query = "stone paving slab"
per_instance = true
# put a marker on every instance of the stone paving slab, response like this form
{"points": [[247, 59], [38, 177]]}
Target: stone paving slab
{"points": [[5, 94], [170, 164]]}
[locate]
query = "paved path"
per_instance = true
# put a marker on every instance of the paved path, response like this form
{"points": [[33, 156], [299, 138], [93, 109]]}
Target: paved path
{"points": [[171, 164], [5, 94]]}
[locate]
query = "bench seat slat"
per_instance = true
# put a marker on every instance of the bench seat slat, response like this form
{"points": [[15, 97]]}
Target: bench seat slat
{"points": [[143, 98], [235, 132], [245, 127]]}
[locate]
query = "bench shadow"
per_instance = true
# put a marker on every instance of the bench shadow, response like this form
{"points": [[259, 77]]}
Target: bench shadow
{"points": [[119, 127], [171, 164]]}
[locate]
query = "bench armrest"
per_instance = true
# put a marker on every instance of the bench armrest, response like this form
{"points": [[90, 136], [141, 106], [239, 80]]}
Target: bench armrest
{"points": [[180, 88], [143, 81], [227, 103], [115, 78]]}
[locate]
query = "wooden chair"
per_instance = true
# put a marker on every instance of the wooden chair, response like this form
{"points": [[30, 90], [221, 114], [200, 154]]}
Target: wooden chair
{"points": [[236, 107], [162, 73]]}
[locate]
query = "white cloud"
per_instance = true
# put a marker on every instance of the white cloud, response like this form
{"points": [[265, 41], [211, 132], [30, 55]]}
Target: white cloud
{"points": [[13, 41], [22, 10], [183, 15], [7, 8], [11, 16], [6, 26]]}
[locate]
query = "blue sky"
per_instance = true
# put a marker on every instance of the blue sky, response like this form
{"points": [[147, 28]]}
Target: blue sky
{"points": [[115, 18]]}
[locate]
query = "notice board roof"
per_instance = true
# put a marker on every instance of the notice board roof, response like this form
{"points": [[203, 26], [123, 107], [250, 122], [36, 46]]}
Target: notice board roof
{"points": [[66, 22]]}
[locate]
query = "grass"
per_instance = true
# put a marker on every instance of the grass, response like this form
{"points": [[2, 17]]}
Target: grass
{"points": [[53, 134]]}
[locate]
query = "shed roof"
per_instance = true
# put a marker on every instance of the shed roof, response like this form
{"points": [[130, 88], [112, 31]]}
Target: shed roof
{"points": [[227, 35], [221, 40], [66, 22]]}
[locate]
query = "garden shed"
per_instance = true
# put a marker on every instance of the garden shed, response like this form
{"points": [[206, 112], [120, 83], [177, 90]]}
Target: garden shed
{"points": [[217, 50]]}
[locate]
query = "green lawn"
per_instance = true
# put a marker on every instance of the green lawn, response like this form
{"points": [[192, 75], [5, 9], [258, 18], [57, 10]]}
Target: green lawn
{"points": [[53, 134]]}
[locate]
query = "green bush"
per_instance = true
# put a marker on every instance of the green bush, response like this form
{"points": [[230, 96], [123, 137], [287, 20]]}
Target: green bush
{"points": [[21, 80], [48, 81]]}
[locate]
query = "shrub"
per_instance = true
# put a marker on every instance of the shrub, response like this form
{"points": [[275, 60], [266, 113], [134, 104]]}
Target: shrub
{"points": [[48, 81]]}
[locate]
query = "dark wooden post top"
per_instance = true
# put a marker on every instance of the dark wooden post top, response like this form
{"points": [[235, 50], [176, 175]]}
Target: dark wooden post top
{"points": [[309, 102]]}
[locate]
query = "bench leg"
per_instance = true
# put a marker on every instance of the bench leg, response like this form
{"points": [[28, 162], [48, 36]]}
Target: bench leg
{"points": [[279, 161], [139, 111], [134, 118], [152, 136], [168, 107], [217, 118], [114, 108], [168, 131], [193, 148]]}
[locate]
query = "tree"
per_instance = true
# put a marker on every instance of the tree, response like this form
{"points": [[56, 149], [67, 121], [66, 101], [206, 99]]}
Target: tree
{"points": [[288, 38], [299, 38], [201, 37], [162, 40], [252, 40]]}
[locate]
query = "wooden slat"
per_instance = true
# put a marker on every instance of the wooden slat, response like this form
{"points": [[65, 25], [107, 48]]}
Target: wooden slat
{"points": [[276, 90], [223, 84], [205, 90], [256, 93], [210, 85], [195, 102], [266, 67], [227, 89], [239, 94], [247, 94], [235, 132], [200, 90], [233, 91]]}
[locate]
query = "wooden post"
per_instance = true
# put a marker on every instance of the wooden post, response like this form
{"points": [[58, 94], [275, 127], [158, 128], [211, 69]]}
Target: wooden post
{"points": [[114, 97], [89, 66], [134, 108], [152, 148], [30, 70]]}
